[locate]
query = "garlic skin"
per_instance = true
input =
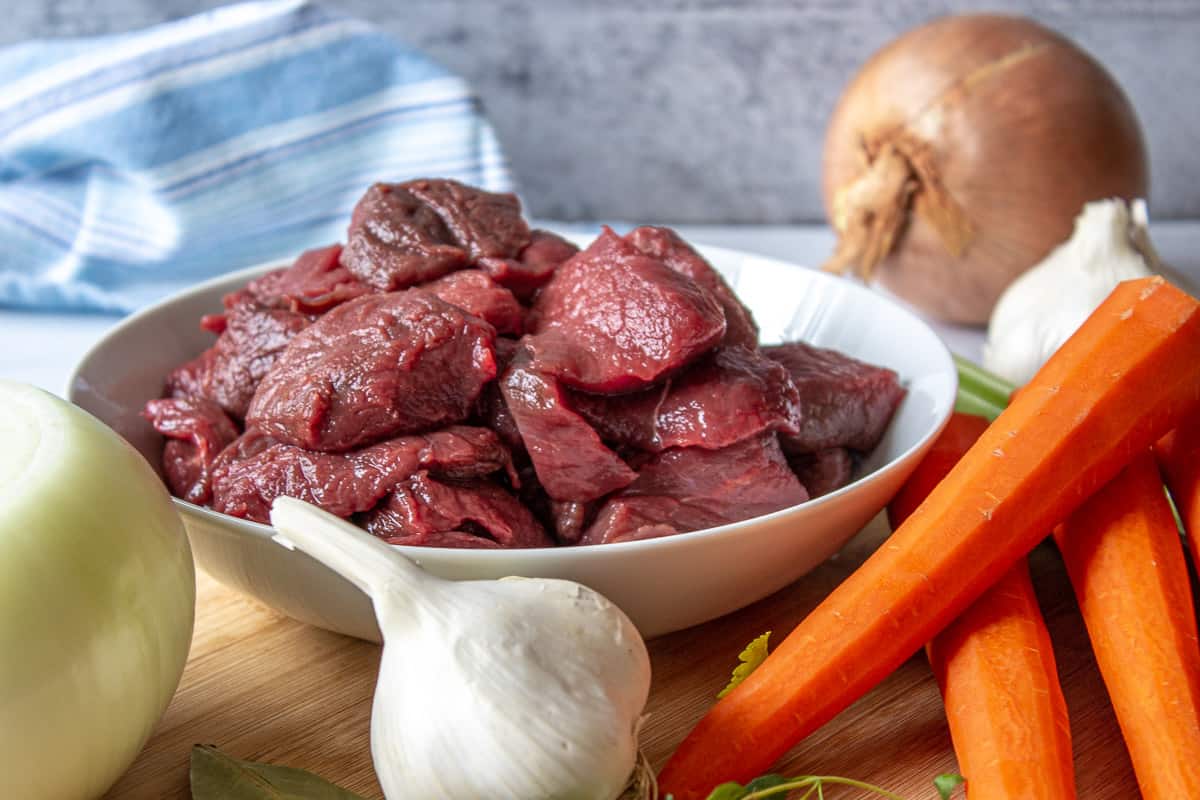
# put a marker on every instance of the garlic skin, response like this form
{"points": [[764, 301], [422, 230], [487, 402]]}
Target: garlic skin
{"points": [[523, 688], [1044, 306]]}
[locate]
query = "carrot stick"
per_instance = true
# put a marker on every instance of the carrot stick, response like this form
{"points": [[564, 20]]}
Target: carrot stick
{"points": [[1008, 719], [1126, 377], [995, 665], [1127, 566], [1178, 456]]}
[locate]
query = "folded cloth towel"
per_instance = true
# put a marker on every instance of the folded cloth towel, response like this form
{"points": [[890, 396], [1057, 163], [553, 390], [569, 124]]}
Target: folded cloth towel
{"points": [[134, 165]]}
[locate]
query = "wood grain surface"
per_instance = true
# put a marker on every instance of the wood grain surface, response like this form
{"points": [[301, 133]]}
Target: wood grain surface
{"points": [[263, 687]]}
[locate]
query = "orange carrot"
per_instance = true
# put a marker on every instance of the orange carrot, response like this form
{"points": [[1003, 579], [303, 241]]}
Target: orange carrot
{"points": [[995, 665], [1127, 566], [1126, 377], [1178, 456]]}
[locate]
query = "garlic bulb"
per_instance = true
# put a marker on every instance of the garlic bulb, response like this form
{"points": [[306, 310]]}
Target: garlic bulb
{"points": [[1045, 305], [523, 688]]}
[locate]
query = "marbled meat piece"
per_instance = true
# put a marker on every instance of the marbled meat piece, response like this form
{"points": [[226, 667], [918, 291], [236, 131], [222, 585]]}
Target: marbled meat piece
{"points": [[405, 234], [845, 402], [379, 366], [692, 488], [613, 319], [422, 508], [731, 395], [570, 460], [228, 373], [476, 293], [666, 244], [197, 430], [249, 474], [532, 268], [824, 471]]}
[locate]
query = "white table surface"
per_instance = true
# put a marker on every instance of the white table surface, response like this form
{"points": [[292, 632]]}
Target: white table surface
{"points": [[42, 348]]}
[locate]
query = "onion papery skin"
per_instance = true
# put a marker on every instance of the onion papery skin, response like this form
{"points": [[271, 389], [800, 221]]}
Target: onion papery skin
{"points": [[97, 598], [1022, 127]]}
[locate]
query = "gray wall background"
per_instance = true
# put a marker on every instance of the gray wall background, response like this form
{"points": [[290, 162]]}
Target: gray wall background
{"points": [[710, 110]]}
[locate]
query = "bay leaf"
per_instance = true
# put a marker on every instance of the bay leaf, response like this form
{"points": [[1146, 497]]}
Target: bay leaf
{"points": [[217, 776]]}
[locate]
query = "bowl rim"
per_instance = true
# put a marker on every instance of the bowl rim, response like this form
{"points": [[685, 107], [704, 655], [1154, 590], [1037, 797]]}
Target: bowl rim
{"points": [[455, 555]]}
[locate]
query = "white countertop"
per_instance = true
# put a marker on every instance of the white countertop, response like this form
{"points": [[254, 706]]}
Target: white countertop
{"points": [[42, 348]]}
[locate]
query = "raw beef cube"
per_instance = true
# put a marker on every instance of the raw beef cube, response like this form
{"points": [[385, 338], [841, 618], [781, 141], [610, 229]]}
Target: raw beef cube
{"points": [[421, 507], [228, 373], [373, 368], [197, 430], [314, 284], [666, 244], [249, 474], [409, 233], [824, 471], [531, 269], [570, 460], [692, 488], [474, 292], [615, 320], [485, 224], [845, 402], [729, 396]]}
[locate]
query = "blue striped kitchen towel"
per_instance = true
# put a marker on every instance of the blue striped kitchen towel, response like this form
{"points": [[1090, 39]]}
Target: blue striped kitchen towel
{"points": [[136, 164]]}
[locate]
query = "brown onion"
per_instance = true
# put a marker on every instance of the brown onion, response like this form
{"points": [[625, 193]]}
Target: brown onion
{"points": [[960, 154]]}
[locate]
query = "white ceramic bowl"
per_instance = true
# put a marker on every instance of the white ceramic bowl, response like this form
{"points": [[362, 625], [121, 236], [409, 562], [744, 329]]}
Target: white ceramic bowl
{"points": [[663, 584]]}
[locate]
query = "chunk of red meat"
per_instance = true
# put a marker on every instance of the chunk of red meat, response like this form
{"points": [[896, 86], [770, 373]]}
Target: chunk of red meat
{"points": [[409, 233], [845, 402], [824, 471], [474, 292], [228, 373], [249, 474], [376, 367], [692, 488], [492, 408], [534, 266], [613, 319], [667, 245], [395, 240], [421, 508], [570, 460], [485, 224], [732, 395], [197, 430], [570, 520], [315, 283]]}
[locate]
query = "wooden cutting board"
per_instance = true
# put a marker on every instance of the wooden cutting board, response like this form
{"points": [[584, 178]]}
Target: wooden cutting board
{"points": [[263, 687]]}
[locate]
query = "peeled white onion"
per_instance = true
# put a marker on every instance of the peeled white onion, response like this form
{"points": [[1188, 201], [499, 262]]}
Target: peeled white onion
{"points": [[97, 596]]}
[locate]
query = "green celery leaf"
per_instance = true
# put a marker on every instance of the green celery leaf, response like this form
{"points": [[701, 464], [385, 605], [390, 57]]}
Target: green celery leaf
{"points": [[216, 776], [754, 654]]}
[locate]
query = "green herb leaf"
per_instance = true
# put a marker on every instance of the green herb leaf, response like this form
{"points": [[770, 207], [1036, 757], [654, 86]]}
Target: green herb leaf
{"points": [[216, 776], [754, 654], [947, 783]]}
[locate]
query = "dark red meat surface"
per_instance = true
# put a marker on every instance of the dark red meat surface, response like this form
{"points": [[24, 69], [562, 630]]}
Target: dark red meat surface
{"points": [[426, 511], [249, 474], [692, 488], [474, 292], [571, 461], [197, 430], [613, 319], [376, 367], [726, 397], [405, 234], [314, 284], [824, 471], [666, 244], [531, 269], [846, 402], [229, 372]]}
